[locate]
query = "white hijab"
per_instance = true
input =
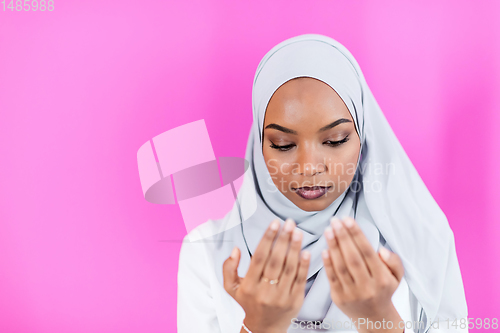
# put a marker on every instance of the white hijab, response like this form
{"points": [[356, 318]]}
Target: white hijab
{"points": [[394, 204]]}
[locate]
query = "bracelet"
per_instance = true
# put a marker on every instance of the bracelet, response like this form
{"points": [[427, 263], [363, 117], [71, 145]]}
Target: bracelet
{"points": [[245, 328]]}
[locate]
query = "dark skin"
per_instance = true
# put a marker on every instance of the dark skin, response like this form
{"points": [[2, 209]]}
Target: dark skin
{"points": [[311, 155], [362, 281]]}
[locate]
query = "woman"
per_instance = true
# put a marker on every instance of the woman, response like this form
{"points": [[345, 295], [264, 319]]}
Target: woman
{"points": [[320, 148]]}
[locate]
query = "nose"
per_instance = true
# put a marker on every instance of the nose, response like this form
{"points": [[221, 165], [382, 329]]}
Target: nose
{"points": [[311, 163]]}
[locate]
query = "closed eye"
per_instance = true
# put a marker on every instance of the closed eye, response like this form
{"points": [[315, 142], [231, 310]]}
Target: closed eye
{"points": [[338, 143], [282, 148], [329, 143]]}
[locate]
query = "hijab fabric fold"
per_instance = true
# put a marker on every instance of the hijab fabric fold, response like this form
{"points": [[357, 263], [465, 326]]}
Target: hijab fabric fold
{"points": [[391, 203]]}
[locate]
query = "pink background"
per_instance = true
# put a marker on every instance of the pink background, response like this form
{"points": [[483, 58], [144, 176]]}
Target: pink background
{"points": [[84, 86]]}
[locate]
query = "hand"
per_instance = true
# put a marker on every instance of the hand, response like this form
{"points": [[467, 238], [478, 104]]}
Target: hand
{"points": [[361, 282], [270, 306]]}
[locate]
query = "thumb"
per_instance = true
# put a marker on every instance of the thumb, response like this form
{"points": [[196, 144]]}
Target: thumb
{"points": [[230, 272], [393, 262]]}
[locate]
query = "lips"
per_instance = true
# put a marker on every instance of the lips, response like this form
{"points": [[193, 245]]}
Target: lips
{"points": [[311, 192]]}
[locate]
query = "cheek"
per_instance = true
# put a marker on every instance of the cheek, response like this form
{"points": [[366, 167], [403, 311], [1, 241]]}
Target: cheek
{"points": [[351, 159], [277, 163], [343, 162], [351, 150], [351, 156]]}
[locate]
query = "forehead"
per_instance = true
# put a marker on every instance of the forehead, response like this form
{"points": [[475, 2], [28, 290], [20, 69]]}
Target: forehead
{"points": [[305, 99]]}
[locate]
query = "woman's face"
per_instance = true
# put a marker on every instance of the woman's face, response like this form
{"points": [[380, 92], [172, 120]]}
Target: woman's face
{"points": [[310, 143]]}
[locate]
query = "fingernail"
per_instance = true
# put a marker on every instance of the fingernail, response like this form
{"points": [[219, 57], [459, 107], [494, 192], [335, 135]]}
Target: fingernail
{"points": [[275, 225], [385, 253], [296, 234], [234, 252], [348, 221], [336, 224], [289, 225], [325, 254], [306, 255], [329, 232]]}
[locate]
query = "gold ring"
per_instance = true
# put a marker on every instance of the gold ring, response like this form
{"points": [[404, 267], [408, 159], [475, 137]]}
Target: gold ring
{"points": [[275, 281]]}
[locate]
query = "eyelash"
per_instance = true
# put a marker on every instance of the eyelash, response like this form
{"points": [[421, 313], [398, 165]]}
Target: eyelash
{"points": [[332, 144]]}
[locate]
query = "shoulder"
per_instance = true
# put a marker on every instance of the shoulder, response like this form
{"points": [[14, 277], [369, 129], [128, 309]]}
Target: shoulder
{"points": [[196, 269], [193, 248], [203, 231], [205, 248], [201, 245]]}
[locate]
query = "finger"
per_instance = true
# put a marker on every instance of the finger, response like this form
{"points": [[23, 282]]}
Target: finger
{"points": [[335, 284], [262, 252], [393, 262], [275, 261], [291, 262], [352, 257], [337, 259], [299, 284], [230, 272], [365, 248]]}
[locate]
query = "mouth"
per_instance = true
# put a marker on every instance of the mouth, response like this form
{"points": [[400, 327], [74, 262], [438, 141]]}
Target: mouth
{"points": [[311, 192]]}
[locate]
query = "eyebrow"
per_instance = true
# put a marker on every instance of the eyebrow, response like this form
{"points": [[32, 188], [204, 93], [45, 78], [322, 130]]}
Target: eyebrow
{"points": [[322, 129]]}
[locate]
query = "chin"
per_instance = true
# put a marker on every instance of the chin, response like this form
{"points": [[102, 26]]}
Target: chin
{"points": [[313, 206]]}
